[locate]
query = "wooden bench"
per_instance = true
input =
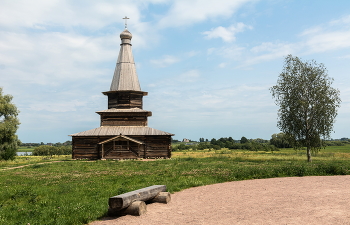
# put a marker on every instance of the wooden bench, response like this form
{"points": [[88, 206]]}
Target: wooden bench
{"points": [[133, 202]]}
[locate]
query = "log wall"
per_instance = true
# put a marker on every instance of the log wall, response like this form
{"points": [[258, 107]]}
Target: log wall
{"points": [[85, 148], [124, 119], [125, 100], [156, 146]]}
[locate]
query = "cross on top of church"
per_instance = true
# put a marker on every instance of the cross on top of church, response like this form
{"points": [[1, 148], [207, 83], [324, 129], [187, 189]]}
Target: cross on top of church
{"points": [[126, 24]]}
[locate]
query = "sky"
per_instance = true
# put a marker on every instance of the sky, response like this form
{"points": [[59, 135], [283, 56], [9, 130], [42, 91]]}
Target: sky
{"points": [[207, 65]]}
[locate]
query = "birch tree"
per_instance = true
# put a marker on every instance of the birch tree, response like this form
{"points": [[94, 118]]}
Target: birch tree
{"points": [[307, 103]]}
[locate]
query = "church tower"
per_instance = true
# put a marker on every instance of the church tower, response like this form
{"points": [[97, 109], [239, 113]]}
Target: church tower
{"points": [[125, 98], [125, 91], [123, 131]]}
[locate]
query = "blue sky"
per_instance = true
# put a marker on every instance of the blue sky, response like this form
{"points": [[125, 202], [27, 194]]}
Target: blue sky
{"points": [[207, 65]]}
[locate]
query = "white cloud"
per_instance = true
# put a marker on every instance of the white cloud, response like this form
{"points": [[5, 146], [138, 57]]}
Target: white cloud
{"points": [[271, 51], [187, 12], [178, 82], [39, 14], [211, 51], [70, 17], [331, 36], [193, 105], [344, 57], [269, 47], [232, 52], [51, 57], [328, 37], [222, 65], [345, 20], [165, 61], [328, 41], [168, 60], [64, 106], [226, 34], [311, 31], [191, 53], [189, 76]]}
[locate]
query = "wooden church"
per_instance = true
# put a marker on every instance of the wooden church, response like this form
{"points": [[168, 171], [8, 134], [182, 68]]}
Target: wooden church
{"points": [[123, 131]]}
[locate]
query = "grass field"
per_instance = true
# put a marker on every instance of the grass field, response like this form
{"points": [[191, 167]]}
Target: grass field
{"points": [[76, 192], [25, 149]]}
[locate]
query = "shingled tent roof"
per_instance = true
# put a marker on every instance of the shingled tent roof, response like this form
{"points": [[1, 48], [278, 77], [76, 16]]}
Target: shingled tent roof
{"points": [[125, 77]]}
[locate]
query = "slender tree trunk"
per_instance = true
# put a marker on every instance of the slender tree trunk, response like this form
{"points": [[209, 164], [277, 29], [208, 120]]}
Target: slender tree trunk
{"points": [[308, 153]]}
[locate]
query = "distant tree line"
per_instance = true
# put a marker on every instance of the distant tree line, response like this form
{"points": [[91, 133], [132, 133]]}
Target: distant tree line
{"points": [[174, 140], [281, 140], [50, 144], [277, 141], [224, 142]]}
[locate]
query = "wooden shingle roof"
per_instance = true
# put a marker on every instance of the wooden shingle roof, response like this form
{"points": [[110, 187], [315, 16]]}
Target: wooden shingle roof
{"points": [[121, 130], [125, 76]]}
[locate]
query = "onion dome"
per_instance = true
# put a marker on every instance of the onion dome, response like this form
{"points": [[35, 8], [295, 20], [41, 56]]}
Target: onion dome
{"points": [[125, 34]]}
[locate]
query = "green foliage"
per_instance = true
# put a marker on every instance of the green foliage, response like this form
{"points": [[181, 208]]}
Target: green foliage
{"points": [[244, 140], [174, 140], [203, 145], [9, 124], [308, 104], [58, 144], [181, 146], [254, 145], [280, 140], [216, 147], [46, 150], [335, 143], [259, 140], [341, 142]]}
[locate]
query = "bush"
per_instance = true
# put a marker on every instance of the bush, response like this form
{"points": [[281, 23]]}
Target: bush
{"points": [[8, 151], [216, 147], [280, 140], [244, 140], [181, 146], [45, 150], [203, 145]]}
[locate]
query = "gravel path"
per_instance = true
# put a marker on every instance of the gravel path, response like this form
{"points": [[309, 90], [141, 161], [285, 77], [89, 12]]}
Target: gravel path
{"points": [[295, 200]]}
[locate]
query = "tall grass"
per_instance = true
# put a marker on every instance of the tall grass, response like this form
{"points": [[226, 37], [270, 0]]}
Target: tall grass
{"points": [[76, 192]]}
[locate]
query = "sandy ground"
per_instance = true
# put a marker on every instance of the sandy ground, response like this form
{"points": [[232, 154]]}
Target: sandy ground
{"points": [[295, 200]]}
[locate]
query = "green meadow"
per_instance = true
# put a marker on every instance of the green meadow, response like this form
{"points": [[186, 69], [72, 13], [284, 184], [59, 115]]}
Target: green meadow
{"points": [[59, 190]]}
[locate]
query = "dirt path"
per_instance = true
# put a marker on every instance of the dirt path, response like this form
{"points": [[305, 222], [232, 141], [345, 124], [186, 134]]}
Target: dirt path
{"points": [[295, 200], [16, 167]]}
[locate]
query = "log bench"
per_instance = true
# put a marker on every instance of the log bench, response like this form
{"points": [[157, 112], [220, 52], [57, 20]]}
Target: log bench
{"points": [[133, 203]]}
